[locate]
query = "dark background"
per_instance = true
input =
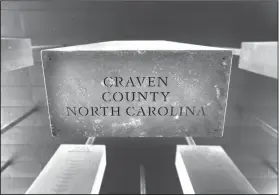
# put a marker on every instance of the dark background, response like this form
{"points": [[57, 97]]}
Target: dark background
{"points": [[216, 23], [222, 24]]}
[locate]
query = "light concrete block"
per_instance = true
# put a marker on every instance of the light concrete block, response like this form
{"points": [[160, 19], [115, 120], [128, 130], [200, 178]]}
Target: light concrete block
{"points": [[259, 58], [209, 170], [73, 169], [16, 53]]}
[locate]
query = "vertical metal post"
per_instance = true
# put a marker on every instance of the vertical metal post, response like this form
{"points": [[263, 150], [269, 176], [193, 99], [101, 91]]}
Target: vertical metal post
{"points": [[142, 180], [90, 141], [190, 141]]}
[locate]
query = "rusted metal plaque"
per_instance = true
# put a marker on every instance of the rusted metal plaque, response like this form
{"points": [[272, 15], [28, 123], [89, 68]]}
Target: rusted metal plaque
{"points": [[137, 93]]}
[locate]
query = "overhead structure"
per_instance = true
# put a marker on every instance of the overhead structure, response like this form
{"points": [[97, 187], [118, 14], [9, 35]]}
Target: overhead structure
{"points": [[259, 58], [16, 53]]}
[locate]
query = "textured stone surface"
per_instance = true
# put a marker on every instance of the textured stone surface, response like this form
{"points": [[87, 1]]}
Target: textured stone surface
{"points": [[16, 53], [196, 78]]}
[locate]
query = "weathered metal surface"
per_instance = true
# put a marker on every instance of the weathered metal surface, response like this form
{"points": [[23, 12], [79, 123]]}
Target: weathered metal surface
{"points": [[16, 53], [176, 92], [209, 170], [73, 169], [259, 58]]}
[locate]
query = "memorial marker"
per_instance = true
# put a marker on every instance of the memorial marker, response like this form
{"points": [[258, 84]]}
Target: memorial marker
{"points": [[137, 89]]}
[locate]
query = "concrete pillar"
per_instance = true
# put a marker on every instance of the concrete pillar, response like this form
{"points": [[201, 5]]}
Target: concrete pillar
{"points": [[209, 170], [259, 58], [73, 169]]}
